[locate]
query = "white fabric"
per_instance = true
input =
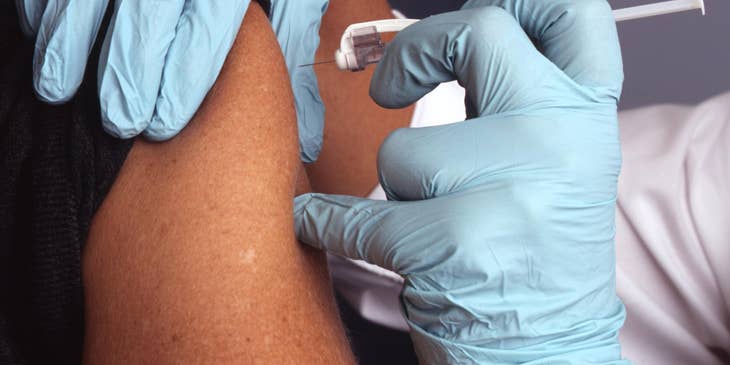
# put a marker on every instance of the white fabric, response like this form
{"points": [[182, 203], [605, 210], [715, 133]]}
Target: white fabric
{"points": [[673, 232]]}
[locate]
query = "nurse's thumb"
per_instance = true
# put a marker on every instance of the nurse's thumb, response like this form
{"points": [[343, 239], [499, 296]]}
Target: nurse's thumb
{"points": [[345, 225]]}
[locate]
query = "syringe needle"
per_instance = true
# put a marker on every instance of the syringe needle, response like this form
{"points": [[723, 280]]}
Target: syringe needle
{"points": [[317, 63]]}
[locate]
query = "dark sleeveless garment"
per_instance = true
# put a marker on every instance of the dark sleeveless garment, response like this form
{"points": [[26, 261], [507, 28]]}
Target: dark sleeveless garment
{"points": [[56, 166]]}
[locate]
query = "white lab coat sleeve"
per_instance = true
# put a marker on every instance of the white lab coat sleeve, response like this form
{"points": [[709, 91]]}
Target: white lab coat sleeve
{"points": [[673, 233]]}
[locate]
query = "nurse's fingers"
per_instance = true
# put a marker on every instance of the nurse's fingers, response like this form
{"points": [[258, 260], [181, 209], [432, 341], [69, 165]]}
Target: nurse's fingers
{"points": [[66, 34], [484, 49], [578, 36], [131, 62], [203, 38], [348, 226]]}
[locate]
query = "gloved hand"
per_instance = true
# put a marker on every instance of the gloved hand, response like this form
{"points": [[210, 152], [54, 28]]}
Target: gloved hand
{"points": [[296, 24], [157, 63], [160, 58], [501, 225]]}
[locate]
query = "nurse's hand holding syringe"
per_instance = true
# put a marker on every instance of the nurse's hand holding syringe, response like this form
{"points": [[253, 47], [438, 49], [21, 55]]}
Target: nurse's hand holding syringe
{"points": [[502, 225]]}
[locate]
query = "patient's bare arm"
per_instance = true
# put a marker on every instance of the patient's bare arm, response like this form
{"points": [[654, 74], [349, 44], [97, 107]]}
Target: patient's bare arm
{"points": [[355, 126], [192, 256]]}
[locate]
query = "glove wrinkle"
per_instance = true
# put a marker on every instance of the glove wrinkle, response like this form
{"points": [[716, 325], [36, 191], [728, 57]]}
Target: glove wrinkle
{"points": [[502, 225]]}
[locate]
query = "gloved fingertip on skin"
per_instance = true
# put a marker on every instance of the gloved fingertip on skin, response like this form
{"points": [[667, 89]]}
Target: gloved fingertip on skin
{"points": [[161, 131], [300, 203], [158, 136]]}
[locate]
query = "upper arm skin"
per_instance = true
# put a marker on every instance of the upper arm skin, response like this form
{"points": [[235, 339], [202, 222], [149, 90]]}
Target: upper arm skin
{"points": [[355, 126], [192, 256]]}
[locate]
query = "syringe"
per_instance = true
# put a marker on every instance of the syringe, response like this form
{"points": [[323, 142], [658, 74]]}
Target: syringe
{"points": [[361, 43], [665, 7]]}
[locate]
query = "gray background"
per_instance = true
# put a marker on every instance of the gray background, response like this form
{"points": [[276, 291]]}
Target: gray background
{"points": [[682, 57]]}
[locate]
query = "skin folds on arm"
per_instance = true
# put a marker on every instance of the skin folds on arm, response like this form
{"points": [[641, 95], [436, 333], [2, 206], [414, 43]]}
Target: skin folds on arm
{"points": [[192, 256]]}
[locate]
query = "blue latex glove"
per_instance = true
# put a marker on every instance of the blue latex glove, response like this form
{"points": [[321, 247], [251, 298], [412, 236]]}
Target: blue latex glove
{"points": [[501, 225], [296, 24], [160, 58], [157, 63]]}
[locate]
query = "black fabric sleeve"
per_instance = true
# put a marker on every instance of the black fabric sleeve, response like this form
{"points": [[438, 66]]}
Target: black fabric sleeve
{"points": [[266, 5], [56, 166]]}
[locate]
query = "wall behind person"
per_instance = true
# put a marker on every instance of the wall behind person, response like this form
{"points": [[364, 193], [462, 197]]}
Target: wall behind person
{"points": [[678, 58]]}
